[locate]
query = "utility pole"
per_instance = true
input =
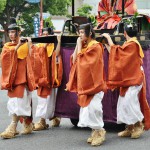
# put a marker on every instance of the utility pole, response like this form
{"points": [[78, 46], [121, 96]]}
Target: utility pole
{"points": [[41, 17]]}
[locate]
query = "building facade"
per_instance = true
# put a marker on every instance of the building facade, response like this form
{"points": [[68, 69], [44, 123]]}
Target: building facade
{"points": [[142, 5]]}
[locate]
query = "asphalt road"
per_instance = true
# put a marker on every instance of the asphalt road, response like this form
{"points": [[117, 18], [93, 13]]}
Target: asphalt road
{"points": [[65, 137]]}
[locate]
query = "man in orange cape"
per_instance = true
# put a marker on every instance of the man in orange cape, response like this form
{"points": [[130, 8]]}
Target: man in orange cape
{"points": [[126, 72], [110, 8], [87, 80], [48, 74], [17, 77]]}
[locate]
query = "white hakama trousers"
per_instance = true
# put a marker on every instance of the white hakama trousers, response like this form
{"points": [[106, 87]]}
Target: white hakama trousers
{"points": [[128, 106], [20, 106], [46, 106], [92, 115]]}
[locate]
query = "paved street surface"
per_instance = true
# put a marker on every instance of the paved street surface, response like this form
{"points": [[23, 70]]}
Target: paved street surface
{"points": [[65, 137]]}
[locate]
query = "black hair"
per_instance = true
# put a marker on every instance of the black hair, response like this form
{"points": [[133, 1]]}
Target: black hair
{"points": [[131, 30], [49, 30], [88, 29]]}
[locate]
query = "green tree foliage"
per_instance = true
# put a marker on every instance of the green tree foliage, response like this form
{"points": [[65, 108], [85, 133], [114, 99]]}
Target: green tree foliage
{"points": [[57, 7], [15, 8], [49, 21], [84, 10], [26, 11], [2, 5]]}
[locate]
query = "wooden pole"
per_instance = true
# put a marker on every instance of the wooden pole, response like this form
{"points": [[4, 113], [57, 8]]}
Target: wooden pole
{"points": [[72, 7], [112, 2], [123, 8], [41, 17]]}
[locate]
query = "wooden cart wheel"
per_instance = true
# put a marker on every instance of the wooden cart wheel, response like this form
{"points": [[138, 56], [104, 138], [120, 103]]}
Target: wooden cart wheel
{"points": [[74, 121]]}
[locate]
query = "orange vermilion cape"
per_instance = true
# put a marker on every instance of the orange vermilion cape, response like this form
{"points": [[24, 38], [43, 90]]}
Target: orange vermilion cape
{"points": [[47, 70], [16, 73], [124, 71], [124, 65], [87, 74], [36, 63]]}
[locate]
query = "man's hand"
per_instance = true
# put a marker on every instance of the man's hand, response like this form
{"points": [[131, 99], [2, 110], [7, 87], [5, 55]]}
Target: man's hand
{"points": [[45, 46], [19, 43], [79, 44], [59, 38], [29, 39], [107, 36]]}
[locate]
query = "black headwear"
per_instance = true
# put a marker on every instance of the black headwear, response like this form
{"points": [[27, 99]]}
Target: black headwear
{"points": [[49, 29], [13, 25]]}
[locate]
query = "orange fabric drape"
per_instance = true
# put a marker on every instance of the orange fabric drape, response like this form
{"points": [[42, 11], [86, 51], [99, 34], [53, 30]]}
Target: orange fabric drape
{"points": [[125, 71], [36, 63], [9, 66], [16, 73], [44, 82], [87, 74], [122, 60], [48, 72]]}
